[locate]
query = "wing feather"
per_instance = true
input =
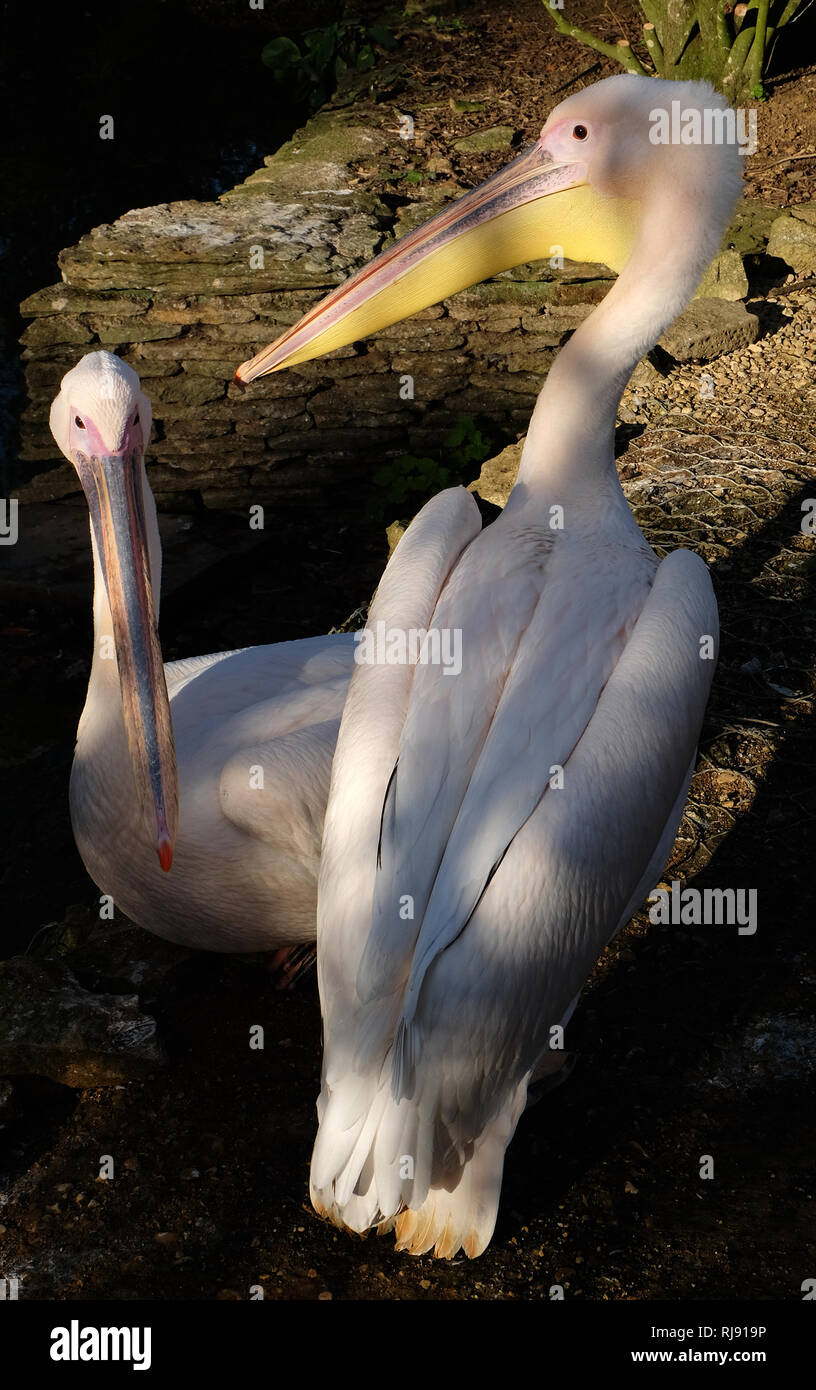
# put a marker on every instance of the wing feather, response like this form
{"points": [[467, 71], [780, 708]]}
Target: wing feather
{"points": [[457, 1049], [475, 760], [483, 1011], [367, 750]]}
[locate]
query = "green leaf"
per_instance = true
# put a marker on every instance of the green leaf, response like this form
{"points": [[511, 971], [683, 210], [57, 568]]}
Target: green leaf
{"points": [[322, 44], [281, 55], [417, 479]]}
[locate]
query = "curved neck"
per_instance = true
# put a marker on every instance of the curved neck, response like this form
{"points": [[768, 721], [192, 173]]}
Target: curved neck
{"points": [[570, 441]]}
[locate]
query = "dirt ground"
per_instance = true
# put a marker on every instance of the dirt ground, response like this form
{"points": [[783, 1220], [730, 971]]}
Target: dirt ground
{"points": [[509, 59], [690, 1042]]}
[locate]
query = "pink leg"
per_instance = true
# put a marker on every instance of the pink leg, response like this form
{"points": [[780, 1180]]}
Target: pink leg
{"points": [[289, 963]]}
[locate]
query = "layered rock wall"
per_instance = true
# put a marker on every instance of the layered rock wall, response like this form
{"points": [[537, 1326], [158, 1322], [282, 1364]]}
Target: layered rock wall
{"points": [[185, 291]]}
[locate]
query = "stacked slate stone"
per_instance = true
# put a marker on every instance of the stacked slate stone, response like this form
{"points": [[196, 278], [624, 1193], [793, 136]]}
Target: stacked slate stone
{"points": [[185, 291]]}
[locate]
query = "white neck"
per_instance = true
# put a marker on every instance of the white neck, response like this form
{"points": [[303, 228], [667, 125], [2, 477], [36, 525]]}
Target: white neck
{"points": [[570, 442], [105, 808]]}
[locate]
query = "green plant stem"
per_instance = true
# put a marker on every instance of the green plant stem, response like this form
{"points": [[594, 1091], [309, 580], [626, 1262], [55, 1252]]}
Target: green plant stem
{"points": [[788, 13], [723, 31], [653, 11], [739, 20], [619, 52], [758, 46], [674, 21], [714, 46], [652, 42], [790, 10], [740, 49]]}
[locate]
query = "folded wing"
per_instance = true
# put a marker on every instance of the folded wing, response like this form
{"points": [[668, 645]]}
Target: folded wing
{"points": [[516, 899]]}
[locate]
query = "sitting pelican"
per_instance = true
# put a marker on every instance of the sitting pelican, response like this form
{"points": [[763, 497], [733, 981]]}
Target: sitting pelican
{"points": [[487, 833], [218, 765]]}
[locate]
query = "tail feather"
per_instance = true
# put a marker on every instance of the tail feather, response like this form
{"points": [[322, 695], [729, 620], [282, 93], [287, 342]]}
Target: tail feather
{"points": [[370, 1183], [395, 1153], [347, 1179], [464, 1217]]}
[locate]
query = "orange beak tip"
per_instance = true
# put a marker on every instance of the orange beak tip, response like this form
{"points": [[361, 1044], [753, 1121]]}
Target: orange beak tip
{"points": [[164, 849], [242, 386]]}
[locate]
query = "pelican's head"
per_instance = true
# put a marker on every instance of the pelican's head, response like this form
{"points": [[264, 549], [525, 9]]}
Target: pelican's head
{"points": [[581, 191], [101, 421], [101, 410]]}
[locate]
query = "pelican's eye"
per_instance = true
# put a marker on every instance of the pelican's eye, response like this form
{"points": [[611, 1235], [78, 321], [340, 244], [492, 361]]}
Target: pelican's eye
{"points": [[80, 424], [579, 132]]}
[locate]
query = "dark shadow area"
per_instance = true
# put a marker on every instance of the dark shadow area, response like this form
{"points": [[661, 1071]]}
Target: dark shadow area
{"points": [[767, 272], [193, 108], [31, 1116], [624, 434], [769, 313]]}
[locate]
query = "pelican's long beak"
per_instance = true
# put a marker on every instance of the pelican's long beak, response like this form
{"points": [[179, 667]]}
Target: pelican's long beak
{"points": [[113, 486], [535, 207]]}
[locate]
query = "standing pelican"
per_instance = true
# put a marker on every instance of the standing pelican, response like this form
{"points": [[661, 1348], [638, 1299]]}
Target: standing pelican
{"points": [[488, 833], [218, 765]]}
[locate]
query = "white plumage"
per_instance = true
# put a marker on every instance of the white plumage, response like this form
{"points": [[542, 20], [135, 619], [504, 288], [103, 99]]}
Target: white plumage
{"points": [[254, 730], [486, 835]]}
